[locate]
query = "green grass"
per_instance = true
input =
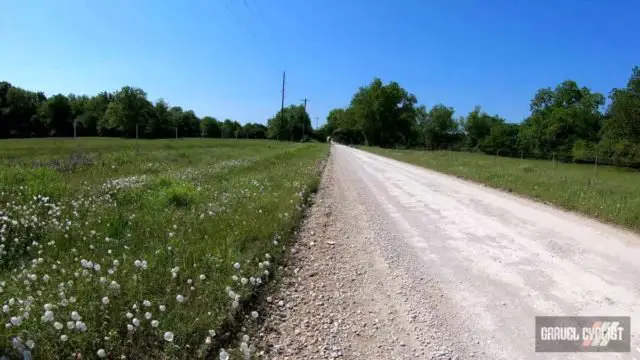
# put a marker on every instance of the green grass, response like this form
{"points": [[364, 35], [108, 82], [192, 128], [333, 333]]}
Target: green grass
{"points": [[167, 218], [611, 194]]}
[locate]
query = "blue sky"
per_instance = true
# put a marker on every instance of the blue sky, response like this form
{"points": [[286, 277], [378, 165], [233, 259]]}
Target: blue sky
{"points": [[225, 57]]}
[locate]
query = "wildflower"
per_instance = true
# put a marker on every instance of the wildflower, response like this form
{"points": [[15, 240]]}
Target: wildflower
{"points": [[212, 333], [208, 340], [5, 308], [162, 308], [168, 336], [47, 307], [147, 315], [15, 321], [75, 315], [64, 338], [105, 300], [244, 281], [129, 327], [146, 303], [114, 286], [189, 281], [202, 277], [101, 353], [30, 344], [129, 315], [236, 266], [58, 326], [48, 316], [224, 355], [254, 314], [71, 325], [135, 322], [81, 326], [155, 323], [137, 263], [180, 298]]}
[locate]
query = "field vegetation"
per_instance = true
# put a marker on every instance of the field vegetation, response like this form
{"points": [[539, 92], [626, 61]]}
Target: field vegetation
{"points": [[114, 249]]}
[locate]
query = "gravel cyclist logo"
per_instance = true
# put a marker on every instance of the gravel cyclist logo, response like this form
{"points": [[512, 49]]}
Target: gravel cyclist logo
{"points": [[583, 334]]}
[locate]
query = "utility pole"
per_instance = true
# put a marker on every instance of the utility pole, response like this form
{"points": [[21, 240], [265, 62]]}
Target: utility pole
{"points": [[316, 123], [305, 100], [176, 133], [74, 129], [282, 104]]}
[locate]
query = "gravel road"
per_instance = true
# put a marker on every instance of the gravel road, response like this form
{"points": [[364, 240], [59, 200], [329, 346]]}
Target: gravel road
{"points": [[399, 262]]}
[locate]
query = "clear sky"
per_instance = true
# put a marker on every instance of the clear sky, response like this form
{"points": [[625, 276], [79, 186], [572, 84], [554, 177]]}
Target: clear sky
{"points": [[225, 57]]}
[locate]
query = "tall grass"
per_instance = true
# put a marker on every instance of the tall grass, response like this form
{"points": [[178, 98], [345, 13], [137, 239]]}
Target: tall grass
{"points": [[114, 250], [608, 193]]}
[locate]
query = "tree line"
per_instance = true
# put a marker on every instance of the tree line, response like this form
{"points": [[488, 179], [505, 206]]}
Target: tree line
{"points": [[567, 122], [26, 113]]}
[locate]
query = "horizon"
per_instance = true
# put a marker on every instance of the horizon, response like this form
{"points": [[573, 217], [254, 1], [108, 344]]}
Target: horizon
{"points": [[226, 59]]}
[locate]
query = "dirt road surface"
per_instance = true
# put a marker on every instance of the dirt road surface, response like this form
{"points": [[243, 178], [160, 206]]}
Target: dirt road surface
{"points": [[399, 262]]}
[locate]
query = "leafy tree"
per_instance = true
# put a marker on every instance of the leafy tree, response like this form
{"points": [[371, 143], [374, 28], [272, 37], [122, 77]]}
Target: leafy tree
{"points": [[560, 117], [210, 127], [190, 124], [290, 124], [439, 128], [59, 116], [478, 125], [254, 131], [384, 113], [227, 128], [502, 138], [128, 108], [159, 124], [621, 128]]}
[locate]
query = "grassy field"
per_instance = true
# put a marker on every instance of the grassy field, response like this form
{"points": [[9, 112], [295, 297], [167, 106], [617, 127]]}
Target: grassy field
{"points": [[109, 249], [611, 194]]}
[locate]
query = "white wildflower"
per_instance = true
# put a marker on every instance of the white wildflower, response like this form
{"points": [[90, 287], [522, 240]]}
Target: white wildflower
{"points": [[168, 336]]}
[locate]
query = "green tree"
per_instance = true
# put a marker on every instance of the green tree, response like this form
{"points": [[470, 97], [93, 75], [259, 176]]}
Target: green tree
{"points": [[560, 117], [210, 127], [621, 128], [290, 124], [159, 125], [227, 128], [478, 125], [58, 116], [254, 131], [439, 128], [385, 114], [128, 108]]}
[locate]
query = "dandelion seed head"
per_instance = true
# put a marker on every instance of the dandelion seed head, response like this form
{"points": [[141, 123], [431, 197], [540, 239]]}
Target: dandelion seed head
{"points": [[168, 336]]}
